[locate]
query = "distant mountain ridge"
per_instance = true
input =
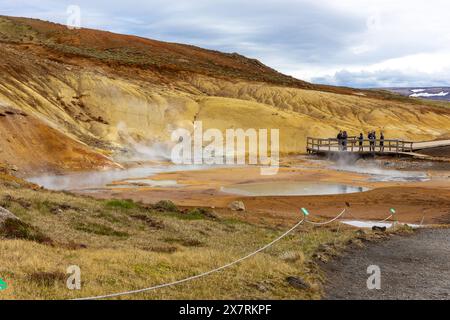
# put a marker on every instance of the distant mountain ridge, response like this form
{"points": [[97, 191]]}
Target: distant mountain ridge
{"points": [[431, 93]]}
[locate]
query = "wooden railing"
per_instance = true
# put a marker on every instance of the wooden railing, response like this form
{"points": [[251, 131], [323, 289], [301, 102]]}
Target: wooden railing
{"points": [[352, 144]]}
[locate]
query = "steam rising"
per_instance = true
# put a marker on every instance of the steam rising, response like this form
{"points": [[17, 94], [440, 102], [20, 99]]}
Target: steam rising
{"points": [[348, 162], [99, 179], [141, 151]]}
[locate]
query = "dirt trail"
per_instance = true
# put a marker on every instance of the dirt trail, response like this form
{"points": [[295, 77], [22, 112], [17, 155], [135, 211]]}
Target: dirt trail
{"points": [[412, 267]]}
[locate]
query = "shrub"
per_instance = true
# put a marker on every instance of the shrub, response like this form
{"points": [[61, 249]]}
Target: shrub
{"points": [[165, 205]]}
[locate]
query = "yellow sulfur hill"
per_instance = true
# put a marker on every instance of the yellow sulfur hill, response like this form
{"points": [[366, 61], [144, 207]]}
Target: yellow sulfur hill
{"points": [[97, 91]]}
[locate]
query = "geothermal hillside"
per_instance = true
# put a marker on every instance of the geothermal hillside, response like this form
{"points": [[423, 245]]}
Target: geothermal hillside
{"points": [[74, 99]]}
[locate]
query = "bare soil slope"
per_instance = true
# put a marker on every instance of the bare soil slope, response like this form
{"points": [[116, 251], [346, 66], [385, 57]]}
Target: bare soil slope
{"points": [[30, 144]]}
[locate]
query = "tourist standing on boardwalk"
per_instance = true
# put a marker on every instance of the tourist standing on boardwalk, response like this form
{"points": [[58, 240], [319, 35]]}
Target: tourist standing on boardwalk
{"points": [[371, 142], [339, 139], [344, 140], [374, 138], [361, 142], [381, 142]]}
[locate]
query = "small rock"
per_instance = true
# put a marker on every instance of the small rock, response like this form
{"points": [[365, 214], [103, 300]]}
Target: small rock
{"points": [[324, 247], [290, 256], [6, 214], [298, 283], [321, 257], [237, 206], [377, 228], [261, 287], [57, 211]]}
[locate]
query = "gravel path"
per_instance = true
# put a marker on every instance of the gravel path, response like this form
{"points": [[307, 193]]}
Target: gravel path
{"points": [[412, 267]]}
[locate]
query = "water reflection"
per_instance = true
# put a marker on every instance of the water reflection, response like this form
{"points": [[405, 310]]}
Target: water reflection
{"points": [[291, 189]]}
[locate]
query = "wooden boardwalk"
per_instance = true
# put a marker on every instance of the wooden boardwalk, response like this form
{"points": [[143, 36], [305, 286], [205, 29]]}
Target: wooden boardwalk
{"points": [[374, 147]]}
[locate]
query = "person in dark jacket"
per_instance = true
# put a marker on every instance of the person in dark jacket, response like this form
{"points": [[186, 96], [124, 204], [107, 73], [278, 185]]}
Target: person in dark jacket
{"points": [[339, 139], [381, 142], [374, 137], [361, 142], [344, 140], [371, 142]]}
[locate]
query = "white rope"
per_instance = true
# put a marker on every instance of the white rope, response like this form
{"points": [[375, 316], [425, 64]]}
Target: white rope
{"points": [[423, 219], [385, 219], [196, 276], [327, 222]]}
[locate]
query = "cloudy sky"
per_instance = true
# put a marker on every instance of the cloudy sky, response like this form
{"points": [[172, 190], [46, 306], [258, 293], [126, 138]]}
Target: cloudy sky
{"points": [[359, 43]]}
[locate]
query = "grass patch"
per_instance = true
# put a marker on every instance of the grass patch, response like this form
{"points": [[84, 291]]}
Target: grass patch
{"points": [[193, 214], [47, 279], [203, 213], [100, 229], [121, 204], [16, 229], [160, 249], [185, 242], [149, 221]]}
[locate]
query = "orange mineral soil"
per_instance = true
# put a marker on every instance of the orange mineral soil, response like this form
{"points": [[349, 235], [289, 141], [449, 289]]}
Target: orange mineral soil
{"points": [[413, 200]]}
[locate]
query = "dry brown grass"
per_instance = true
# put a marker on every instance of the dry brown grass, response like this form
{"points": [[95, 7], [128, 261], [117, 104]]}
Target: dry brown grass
{"points": [[180, 247]]}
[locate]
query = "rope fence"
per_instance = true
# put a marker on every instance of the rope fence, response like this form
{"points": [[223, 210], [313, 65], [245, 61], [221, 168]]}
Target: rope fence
{"points": [[235, 262]]}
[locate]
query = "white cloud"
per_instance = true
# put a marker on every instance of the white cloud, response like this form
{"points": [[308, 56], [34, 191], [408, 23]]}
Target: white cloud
{"points": [[389, 42], [424, 69]]}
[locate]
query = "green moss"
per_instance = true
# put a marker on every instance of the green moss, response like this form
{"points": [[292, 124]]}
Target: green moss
{"points": [[202, 213], [100, 229], [121, 204]]}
